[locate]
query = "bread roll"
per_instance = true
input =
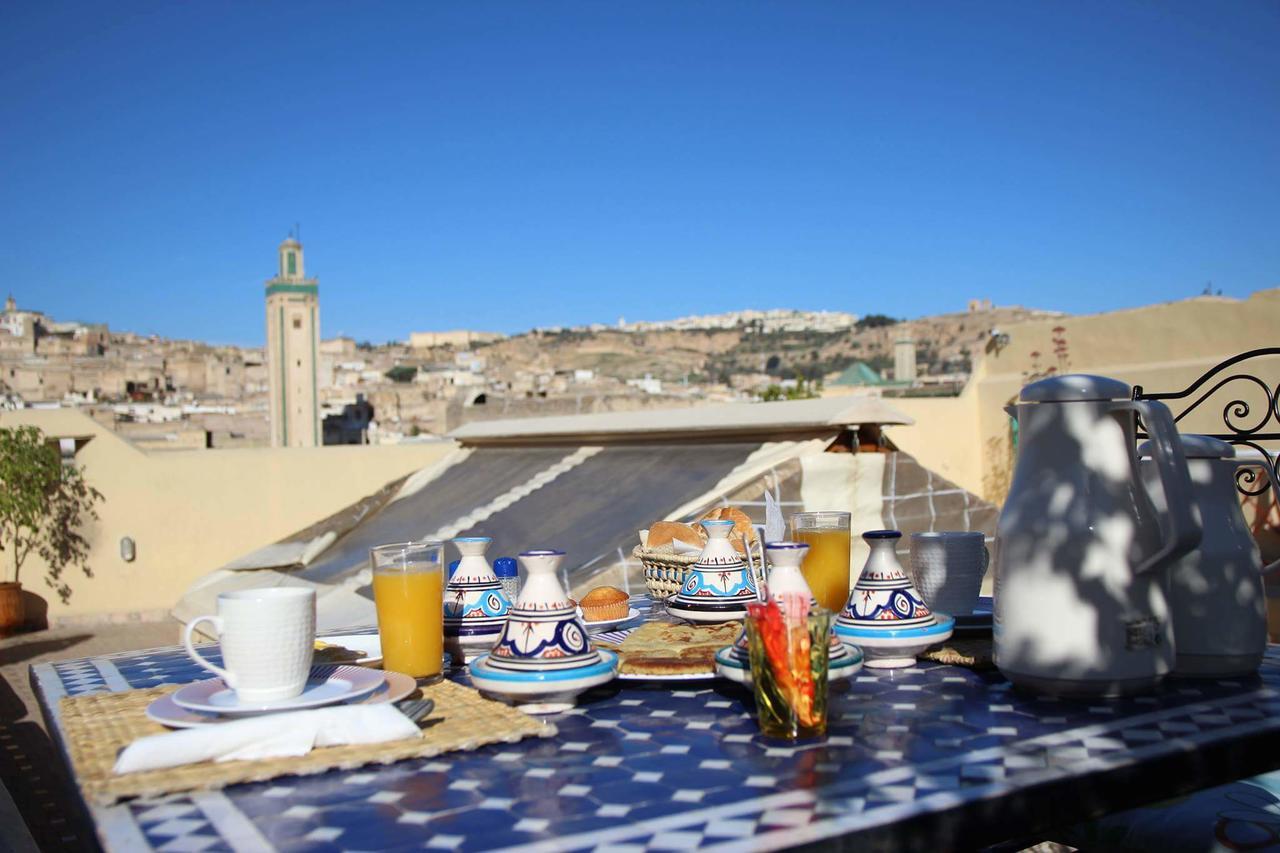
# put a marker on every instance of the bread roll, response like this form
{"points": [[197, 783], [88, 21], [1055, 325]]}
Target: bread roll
{"points": [[742, 525], [663, 532]]}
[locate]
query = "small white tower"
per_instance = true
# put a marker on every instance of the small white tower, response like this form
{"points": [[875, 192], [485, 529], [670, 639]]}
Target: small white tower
{"points": [[904, 360], [293, 341]]}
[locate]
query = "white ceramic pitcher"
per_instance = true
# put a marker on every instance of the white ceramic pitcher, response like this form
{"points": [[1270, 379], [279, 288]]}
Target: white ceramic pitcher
{"points": [[1216, 597], [1080, 589]]}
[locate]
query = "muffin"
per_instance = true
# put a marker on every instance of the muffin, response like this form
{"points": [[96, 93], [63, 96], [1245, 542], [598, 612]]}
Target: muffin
{"points": [[603, 604]]}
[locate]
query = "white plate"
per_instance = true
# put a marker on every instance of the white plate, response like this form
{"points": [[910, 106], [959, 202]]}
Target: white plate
{"points": [[607, 624], [369, 646], [329, 684], [684, 676], [169, 713]]}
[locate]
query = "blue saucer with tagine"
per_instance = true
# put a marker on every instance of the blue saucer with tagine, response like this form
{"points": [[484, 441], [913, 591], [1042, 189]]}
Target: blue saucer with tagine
{"points": [[885, 615], [475, 604], [543, 658], [784, 558], [719, 586]]}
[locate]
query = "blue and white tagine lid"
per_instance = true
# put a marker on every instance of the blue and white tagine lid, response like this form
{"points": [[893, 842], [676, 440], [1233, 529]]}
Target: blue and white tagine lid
{"points": [[543, 658], [475, 605], [885, 613], [719, 586], [784, 558]]}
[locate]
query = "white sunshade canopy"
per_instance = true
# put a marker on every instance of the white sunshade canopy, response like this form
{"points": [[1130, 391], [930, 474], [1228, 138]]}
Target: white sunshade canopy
{"points": [[782, 419]]}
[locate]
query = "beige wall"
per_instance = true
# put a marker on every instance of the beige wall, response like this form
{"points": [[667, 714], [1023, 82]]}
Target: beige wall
{"points": [[190, 512], [1161, 347]]}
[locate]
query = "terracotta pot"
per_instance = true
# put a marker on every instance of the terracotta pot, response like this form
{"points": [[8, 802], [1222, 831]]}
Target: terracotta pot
{"points": [[11, 612]]}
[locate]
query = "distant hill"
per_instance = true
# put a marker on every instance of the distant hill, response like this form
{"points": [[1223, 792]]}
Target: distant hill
{"points": [[945, 343]]}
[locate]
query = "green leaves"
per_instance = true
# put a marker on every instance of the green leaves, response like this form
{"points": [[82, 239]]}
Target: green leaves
{"points": [[43, 504]]}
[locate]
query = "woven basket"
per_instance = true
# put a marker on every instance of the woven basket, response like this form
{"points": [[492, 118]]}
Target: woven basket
{"points": [[663, 573]]}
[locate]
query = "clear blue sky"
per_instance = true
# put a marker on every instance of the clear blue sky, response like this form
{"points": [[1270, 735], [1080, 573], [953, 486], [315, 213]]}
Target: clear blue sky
{"points": [[505, 165]]}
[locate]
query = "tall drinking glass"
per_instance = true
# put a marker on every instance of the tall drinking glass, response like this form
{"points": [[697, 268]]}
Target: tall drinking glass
{"points": [[826, 566], [408, 590]]}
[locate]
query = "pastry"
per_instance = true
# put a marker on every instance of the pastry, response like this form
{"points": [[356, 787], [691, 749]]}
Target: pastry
{"points": [[664, 648], [604, 603]]}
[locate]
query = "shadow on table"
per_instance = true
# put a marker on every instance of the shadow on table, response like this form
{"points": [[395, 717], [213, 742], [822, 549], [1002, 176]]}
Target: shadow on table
{"points": [[20, 651], [31, 770]]}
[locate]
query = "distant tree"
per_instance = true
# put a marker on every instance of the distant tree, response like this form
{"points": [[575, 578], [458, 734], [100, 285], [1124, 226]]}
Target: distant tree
{"points": [[802, 390], [875, 321], [43, 504], [402, 373]]}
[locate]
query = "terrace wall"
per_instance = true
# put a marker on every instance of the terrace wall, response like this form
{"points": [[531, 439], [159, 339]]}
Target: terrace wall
{"points": [[190, 512], [1161, 347]]}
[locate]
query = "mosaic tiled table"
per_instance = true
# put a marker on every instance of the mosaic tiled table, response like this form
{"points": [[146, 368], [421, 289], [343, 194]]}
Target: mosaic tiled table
{"points": [[931, 756]]}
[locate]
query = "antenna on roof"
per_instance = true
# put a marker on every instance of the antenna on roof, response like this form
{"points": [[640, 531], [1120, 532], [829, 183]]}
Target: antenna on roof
{"points": [[297, 231]]}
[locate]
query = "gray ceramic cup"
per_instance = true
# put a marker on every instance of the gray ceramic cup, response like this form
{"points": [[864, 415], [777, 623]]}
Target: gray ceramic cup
{"points": [[947, 568]]}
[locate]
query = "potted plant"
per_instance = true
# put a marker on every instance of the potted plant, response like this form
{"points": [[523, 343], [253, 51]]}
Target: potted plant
{"points": [[43, 503]]}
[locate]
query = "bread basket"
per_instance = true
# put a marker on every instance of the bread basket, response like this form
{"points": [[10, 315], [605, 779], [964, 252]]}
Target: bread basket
{"points": [[663, 571]]}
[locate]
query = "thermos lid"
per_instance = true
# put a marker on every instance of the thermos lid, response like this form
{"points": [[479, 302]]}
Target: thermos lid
{"points": [[505, 567], [1075, 387], [1197, 447]]}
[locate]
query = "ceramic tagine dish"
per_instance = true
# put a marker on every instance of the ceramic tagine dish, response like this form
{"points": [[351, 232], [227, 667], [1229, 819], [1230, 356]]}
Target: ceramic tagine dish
{"points": [[543, 658], [475, 605], [719, 586], [734, 662], [885, 615]]}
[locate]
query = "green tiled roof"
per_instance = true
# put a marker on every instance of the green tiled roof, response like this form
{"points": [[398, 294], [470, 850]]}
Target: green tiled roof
{"points": [[860, 373]]}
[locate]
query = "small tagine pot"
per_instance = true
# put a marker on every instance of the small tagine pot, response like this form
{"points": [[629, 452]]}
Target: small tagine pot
{"points": [[475, 605], [719, 586], [885, 615], [543, 659], [784, 558]]}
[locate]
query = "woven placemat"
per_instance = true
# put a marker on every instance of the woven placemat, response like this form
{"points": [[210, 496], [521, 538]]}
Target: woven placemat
{"points": [[98, 727], [973, 652]]}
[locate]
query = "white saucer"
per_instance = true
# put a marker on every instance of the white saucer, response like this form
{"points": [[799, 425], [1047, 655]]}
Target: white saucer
{"points": [[727, 614], [608, 624], [169, 713], [892, 648], [328, 684], [542, 692], [728, 666]]}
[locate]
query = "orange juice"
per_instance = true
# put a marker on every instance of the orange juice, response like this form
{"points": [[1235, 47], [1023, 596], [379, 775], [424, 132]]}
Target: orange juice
{"points": [[826, 566], [411, 620]]}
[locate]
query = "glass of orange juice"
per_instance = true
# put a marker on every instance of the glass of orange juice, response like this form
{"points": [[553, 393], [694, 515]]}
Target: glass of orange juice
{"points": [[408, 590], [826, 566]]}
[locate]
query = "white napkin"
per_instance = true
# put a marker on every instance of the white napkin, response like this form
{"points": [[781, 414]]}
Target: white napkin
{"points": [[775, 529], [268, 736], [679, 547]]}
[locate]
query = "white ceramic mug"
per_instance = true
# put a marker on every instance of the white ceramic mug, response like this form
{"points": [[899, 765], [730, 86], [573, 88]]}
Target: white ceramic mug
{"points": [[267, 638], [947, 569]]}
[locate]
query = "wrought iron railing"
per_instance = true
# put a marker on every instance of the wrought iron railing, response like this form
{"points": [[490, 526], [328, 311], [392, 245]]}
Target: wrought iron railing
{"points": [[1243, 427]]}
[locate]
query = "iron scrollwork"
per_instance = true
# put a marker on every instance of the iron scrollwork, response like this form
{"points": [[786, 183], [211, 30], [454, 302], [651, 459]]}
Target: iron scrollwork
{"points": [[1243, 428]]}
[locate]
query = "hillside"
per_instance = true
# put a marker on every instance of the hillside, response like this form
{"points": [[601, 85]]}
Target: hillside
{"points": [[945, 343]]}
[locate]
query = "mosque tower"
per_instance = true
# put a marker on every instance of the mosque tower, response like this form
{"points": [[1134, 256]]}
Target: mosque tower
{"points": [[293, 341]]}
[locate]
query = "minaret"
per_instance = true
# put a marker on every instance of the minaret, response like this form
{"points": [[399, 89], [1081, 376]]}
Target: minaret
{"points": [[293, 340]]}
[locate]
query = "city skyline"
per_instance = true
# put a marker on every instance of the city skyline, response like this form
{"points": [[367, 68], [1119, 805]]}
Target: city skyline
{"points": [[515, 167]]}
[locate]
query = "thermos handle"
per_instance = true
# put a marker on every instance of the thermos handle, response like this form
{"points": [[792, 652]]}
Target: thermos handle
{"points": [[1265, 465], [1184, 529]]}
